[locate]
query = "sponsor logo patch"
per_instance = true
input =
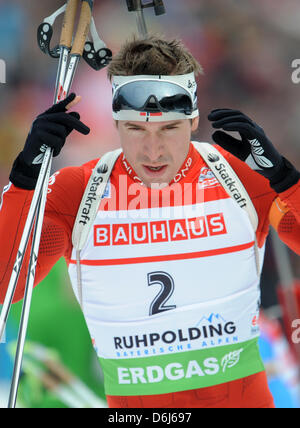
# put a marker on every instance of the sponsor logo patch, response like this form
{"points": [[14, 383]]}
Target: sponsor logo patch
{"points": [[159, 231]]}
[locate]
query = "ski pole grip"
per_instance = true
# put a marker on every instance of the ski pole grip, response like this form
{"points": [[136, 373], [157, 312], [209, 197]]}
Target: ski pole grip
{"points": [[83, 27], [68, 24]]}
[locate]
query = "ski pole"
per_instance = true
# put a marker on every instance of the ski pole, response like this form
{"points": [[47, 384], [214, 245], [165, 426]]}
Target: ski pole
{"points": [[286, 287], [138, 7], [65, 46], [36, 210], [95, 53], [22, 249], [45, 28], [27, 297], [286, 294], [79, 42]]}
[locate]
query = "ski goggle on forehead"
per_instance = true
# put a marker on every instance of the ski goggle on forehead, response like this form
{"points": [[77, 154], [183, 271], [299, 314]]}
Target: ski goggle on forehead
{"points": [[154, 98]]}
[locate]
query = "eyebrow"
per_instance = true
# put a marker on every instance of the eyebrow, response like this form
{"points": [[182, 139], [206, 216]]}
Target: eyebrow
{"points": [[129, 124], [177, 122]]}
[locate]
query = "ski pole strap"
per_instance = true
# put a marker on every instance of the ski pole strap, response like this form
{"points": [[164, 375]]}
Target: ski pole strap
{"points": [[96, 53], [45, 33]]}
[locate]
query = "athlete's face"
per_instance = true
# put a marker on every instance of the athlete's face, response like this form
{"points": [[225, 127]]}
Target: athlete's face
{"points": [[156, 150]]}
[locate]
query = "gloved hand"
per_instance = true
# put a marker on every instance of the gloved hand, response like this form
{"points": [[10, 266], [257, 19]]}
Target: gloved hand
{"points": [[254, 148], [51, 129]]}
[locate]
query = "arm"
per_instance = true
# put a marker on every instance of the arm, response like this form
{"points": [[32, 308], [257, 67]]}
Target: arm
{"points": [[266, 174], [285, 217], [51, 129], [58, 223]]}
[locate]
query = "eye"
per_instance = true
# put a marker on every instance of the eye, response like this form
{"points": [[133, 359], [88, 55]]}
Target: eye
{"points": [[134, 128]]}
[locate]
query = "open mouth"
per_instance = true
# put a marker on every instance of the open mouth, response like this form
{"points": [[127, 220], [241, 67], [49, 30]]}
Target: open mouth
{"points": [[155, 170]]}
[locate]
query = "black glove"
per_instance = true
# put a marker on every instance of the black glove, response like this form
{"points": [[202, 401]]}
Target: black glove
{"points": [[254, 148], [51, 129]]}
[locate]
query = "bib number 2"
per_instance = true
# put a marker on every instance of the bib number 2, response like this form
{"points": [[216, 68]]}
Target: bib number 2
{"points": [[166, 283]]}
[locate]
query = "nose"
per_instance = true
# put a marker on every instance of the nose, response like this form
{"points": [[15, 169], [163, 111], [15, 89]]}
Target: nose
{"points": [[153, 147]]}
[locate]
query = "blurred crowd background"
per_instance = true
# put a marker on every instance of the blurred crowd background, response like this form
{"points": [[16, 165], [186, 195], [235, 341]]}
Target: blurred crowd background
{"points": [[246, 48]]}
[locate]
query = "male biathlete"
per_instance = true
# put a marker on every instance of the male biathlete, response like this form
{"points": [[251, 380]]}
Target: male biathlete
{"points": [[169, 275]]}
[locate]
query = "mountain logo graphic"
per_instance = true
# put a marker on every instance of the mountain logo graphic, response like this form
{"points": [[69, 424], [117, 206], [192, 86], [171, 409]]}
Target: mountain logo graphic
{"points": [[212, 318]]}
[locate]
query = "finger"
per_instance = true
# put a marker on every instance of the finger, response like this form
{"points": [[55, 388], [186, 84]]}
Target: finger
{"points": [[73, 103], [231, 119], [225, 110], [75, 114], [230, 144], [61, 106], [225, 139], [51, 124], [244, 129], [222, 113], [52, 128], [68, 120]]}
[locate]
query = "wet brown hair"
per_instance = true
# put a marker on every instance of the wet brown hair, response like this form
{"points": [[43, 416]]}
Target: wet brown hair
{"points": [[153, 56]]}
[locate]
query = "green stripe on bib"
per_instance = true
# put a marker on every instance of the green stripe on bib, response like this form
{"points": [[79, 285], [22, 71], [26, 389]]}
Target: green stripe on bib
{"points": [[181, 371]]}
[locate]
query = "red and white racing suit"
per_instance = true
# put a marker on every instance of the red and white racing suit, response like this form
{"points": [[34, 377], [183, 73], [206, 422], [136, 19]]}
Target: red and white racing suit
{"points": [[170, 287]]}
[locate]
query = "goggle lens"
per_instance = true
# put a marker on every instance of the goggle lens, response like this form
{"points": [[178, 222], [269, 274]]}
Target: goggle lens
{"points": [[153, 96]]}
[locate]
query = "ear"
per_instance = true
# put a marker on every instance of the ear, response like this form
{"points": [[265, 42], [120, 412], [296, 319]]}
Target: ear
{"points": [[195, 123]]}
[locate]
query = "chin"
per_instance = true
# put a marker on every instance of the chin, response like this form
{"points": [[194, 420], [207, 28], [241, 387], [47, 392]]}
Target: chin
{"points": [[158, 185], [159, 182]]}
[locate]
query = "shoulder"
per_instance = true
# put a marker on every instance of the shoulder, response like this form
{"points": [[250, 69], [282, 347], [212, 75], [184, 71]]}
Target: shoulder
{"points": [[67, 186], [74, 177], [259, 190]]}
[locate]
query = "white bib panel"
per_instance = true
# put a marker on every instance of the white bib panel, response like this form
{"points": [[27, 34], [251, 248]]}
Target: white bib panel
{"points": [[160, 284]]}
